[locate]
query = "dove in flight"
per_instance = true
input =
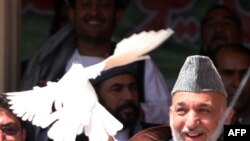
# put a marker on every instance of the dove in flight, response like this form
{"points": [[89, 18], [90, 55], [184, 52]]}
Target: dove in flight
{"points": [[70, 106]]}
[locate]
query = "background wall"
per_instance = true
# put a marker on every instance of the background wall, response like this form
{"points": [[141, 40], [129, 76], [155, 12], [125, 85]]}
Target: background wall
{"points": [[9, 44], [182, 16]]}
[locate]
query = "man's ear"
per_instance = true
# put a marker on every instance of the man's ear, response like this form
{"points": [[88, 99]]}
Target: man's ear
{"points": [[24, 134], [170, 115], [119, 15], [110, 138]]}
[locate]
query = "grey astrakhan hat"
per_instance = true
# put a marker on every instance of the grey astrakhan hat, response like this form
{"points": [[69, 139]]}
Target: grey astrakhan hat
{"points": [[198, 74]]}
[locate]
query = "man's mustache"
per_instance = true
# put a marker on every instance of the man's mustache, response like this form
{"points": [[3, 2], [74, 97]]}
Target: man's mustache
{"points": [[127, 104], [197, 129], [219, 37], [94, 18]]}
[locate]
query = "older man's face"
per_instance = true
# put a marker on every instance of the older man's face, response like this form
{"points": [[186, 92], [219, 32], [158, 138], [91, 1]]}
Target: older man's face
{"points": [[195, 117]]}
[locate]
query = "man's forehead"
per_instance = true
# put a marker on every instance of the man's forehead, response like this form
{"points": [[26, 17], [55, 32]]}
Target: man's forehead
{"points": [[229, 51], [219, 14], [191, 96], [6, 116], [197, 97], [194, 104], [219, 18], [232, 59], [233, 65]]}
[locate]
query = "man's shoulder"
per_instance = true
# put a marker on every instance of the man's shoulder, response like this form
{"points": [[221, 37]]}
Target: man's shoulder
{"points": [[155, 133]]}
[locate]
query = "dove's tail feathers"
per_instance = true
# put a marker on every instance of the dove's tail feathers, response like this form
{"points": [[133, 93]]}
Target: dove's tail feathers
{"points": [[61, 131], [103, 124], [108, 120]]}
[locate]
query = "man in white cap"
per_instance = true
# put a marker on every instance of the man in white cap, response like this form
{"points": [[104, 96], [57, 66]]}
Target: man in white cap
{"points": [[199, 102]]}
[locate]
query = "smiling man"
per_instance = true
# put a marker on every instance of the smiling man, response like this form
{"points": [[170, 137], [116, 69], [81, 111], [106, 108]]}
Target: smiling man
{"points": [[199, 105], [199, 102]]}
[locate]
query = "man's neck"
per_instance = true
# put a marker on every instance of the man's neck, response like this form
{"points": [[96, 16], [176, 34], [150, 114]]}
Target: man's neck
{"points": [[99, 50]]}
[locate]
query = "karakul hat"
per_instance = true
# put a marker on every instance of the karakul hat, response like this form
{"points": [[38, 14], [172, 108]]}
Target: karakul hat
{"points": [[198, 74], [126, 69]]}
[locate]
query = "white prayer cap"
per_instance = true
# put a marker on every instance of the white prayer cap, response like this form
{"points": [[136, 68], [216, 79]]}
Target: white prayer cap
{"points": [[198, 74]]}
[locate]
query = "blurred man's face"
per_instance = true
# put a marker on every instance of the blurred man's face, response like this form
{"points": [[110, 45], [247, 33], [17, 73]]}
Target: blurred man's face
{"points": [[94, 20], [10, 127], [195, 116], [232, 66], [219, 28], [120, 96]]}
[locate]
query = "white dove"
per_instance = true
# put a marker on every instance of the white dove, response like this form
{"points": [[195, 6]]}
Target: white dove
{"points": [[70, 106]]}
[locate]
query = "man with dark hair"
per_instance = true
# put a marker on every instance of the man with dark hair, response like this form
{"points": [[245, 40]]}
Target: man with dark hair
{"points": [[117, 92], [219, 26], [232, 62], [12, 128]]}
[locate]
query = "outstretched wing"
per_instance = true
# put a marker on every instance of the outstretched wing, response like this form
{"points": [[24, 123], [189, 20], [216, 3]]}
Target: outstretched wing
{"points": [[136, 47], [34, 105], [41, 104]]}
